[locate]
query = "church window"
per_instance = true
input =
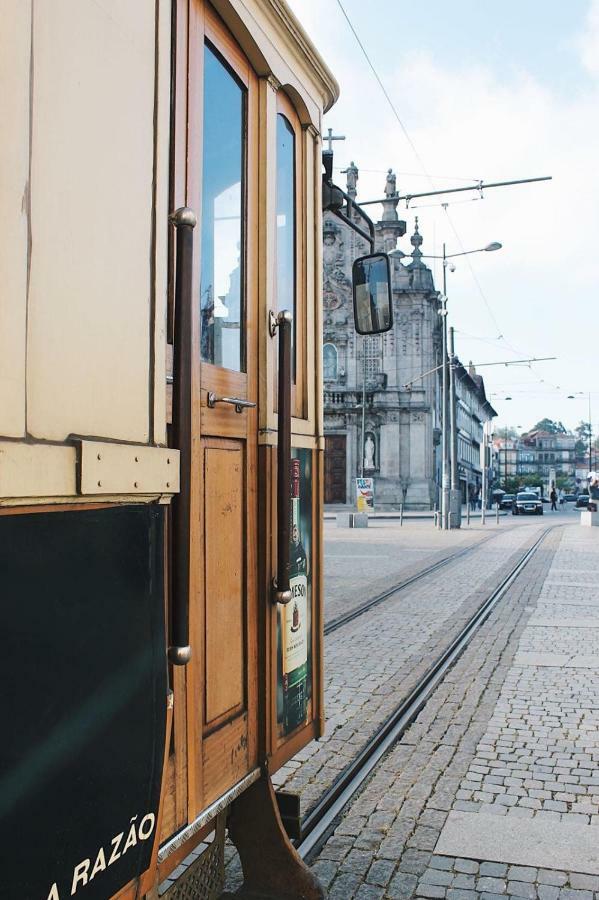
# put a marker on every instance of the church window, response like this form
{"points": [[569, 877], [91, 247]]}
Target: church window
{"points": [[371, 348], [331, 358]]}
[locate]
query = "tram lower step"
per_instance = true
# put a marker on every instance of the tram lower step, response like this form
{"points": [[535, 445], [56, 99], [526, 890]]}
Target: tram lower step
{"points": [[202, 875]]}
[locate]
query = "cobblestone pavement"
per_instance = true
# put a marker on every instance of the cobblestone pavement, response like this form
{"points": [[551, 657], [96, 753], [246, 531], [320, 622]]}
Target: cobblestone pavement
{"points": [[493, 791], [384, 554], [374, 661]]}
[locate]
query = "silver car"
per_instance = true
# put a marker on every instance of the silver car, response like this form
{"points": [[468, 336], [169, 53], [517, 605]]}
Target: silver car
{"points": [[526, 503]]}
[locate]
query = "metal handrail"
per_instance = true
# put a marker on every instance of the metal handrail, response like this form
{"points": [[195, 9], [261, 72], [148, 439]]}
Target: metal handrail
{"points": [[281, 588], [184, 220]]}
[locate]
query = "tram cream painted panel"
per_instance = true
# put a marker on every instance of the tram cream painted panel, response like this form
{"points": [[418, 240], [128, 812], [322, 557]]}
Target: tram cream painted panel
{"points": [[91, 204], [15, 43], [163, 122]]}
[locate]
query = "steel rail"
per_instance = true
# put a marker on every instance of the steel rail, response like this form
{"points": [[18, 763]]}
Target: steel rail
{"points": [[352, 614], [320, 819]]}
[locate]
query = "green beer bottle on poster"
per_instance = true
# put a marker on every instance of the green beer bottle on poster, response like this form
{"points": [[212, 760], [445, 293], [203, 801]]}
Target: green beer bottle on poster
{"points": [[295, 619]]}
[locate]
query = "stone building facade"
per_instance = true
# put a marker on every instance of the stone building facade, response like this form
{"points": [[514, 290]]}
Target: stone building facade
{"points": [[537, 453], [399, 443], [394, 436], [472, 411]]}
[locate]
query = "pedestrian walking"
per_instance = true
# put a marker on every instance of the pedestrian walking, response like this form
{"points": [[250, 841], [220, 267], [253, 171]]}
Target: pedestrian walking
{"points": [[553, 498]]}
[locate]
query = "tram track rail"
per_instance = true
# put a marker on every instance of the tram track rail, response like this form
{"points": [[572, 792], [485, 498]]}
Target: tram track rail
{"points": [[321, 818], [349, 616]]}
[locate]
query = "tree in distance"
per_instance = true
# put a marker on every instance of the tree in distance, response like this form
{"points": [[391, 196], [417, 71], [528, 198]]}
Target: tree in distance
{"points": [[550, 426]]}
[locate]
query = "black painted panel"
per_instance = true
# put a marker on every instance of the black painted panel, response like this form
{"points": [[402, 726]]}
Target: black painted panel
{"points": [[83, 676]]}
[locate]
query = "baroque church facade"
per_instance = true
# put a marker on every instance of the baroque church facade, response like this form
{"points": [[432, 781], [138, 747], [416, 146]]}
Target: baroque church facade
{"points": [[382, 412]]}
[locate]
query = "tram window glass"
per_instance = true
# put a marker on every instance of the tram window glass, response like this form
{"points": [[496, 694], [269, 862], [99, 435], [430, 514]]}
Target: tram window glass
{"points": [[286, 224], [222, 237]]}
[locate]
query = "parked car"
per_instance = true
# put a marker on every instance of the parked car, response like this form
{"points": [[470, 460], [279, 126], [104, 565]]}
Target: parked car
{"points": [[527, 503], [506, 501], [582, 501], [569, 498]]}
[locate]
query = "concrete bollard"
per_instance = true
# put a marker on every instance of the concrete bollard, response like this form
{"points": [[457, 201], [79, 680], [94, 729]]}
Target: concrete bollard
{"points": [[467, 514], [401, 515], [497, 513]]}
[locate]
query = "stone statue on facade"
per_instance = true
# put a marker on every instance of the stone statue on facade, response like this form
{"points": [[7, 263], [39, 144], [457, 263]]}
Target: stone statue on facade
{"points": [[390, 212], [391, 184], [351, 174], [369, 452]]}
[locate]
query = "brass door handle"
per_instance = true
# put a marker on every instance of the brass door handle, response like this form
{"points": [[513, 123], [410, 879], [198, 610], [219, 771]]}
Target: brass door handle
{"points": [[237, 402]]}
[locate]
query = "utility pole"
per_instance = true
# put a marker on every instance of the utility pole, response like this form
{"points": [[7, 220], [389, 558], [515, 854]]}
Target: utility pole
{"points": [[444, 435], [363, 441], [590, 437], [455, 498], [484, 478]]}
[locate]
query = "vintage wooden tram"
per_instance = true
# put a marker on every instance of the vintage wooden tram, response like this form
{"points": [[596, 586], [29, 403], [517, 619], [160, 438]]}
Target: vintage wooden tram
{"points": [[161, 439]]}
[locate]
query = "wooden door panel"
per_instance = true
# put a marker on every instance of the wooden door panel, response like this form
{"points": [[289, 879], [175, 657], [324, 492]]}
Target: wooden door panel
{"points": [[226, 757], [221, 185], [224, 517]]}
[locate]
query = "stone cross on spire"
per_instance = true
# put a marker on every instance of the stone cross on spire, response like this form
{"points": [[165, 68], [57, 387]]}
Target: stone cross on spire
{"points": [[333, 137]]}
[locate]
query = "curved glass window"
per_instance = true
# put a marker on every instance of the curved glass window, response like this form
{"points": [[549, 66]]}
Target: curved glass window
{"points": [[222, 240], [286, 230], [330, 359]]}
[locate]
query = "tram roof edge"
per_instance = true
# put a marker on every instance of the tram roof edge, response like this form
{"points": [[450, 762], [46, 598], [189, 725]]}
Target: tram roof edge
{"points": [[309, 50], [278, 14]]}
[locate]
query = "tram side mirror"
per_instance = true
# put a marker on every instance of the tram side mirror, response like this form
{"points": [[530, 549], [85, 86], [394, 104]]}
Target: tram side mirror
{"points": [[373, 304]]}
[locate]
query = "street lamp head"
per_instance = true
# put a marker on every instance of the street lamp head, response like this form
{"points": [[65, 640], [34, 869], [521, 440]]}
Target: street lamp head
{"points": [[495, 245]]}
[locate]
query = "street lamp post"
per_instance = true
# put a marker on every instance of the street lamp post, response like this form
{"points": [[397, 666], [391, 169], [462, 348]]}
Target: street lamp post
{"points": [[446, 443]]}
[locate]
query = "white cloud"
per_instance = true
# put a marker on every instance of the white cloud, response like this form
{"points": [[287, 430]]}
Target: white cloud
{"points": [[475, 121], [589, 41]]}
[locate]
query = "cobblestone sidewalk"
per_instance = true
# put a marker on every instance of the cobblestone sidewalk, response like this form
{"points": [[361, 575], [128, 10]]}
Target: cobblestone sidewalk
{"points": [[493, 790], [376, 660]]}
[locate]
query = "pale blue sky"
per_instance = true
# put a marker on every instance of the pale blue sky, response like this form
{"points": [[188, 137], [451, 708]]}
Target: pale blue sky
{"points": [[492, 91]]}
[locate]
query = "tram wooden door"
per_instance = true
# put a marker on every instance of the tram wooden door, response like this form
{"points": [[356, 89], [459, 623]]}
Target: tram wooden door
{"points": [[222, 172]]}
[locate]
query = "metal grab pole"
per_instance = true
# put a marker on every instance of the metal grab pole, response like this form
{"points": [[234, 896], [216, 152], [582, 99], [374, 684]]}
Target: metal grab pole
{"points": [[184, 220], [281, 590]]}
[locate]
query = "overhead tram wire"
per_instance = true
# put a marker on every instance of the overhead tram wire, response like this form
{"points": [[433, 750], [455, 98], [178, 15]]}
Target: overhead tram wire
{"points": [[384, 90], [423, 167]]}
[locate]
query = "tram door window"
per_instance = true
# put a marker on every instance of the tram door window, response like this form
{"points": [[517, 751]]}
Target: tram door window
{"points": [[289, 270], [224, 620]]}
